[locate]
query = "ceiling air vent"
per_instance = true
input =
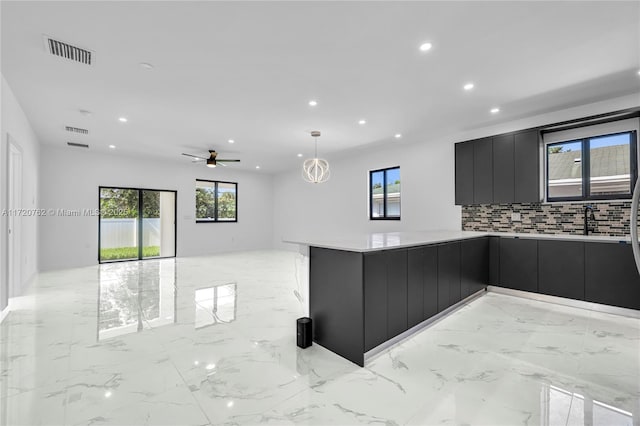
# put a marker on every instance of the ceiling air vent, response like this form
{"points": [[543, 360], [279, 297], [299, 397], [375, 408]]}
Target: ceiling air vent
{"points": [[78, 145], [76, 130], [68, 51]]}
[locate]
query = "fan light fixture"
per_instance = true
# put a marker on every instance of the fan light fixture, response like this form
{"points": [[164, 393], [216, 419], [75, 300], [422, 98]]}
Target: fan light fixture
{"points": [[315, 170]]}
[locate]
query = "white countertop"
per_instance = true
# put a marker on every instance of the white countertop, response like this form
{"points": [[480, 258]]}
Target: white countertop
{"points": [[392, 240]]}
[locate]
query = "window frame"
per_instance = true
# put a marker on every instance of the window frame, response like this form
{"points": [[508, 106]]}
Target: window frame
{"points": [[585, 149], [384, 194], [215, 202]]}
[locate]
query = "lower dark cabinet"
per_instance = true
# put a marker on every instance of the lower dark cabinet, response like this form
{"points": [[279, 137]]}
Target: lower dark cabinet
{"points": [[375, 300], [494, 261], [561, 268], [474, 265], [519, 264], [422, 284], [448, 275], [611, 276], [396, 292]]}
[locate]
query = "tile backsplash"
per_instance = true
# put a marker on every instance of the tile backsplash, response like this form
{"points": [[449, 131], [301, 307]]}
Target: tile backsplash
{"points": [[612, 218]]}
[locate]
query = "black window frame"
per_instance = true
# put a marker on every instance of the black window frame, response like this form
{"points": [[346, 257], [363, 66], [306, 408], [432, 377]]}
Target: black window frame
{"points": [[215, 198], [585, 149], [384, 196]]}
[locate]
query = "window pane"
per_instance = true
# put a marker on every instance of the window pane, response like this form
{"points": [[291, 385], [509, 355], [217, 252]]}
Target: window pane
{"points": [[564, 162], [377, 194], [205, 200], [226, 201], [610, 164], [393, 192]]}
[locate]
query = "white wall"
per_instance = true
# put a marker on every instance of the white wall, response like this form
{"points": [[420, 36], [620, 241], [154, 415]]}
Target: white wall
{"points": [[340, 205], [14, 122], [70, 180]]}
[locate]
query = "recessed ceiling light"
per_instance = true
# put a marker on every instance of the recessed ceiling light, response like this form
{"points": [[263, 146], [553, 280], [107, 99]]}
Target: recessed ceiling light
{"points": [[468, 86], [313, 103], [299, 155], [107, 394], [638, 72], [230, 404], [495, 110], [257, 167], [397, 135], [231, 141], [362, 122], [123, 119], [146, 65], [85, 112], [112, 146], [425, 46]]}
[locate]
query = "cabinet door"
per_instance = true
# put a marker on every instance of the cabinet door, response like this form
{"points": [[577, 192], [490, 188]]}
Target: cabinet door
{"points": [[519, 264], [494, 260], [474, 255], [396, 292], [611, 277], [464, 173], [375, 300], [448, 275], [415, 286], [430, 276], [482, 171], [561, 268], [503, 169], [526, 167]]}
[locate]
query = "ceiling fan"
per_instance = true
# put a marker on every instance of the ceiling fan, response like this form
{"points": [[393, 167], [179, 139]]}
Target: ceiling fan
{"points": [[212, 161]]}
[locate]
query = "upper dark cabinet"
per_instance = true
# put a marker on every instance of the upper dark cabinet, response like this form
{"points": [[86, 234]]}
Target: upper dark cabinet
{"points": [[526, 156], [503, 177], [464, 173], [483, 171], [501, 169]]}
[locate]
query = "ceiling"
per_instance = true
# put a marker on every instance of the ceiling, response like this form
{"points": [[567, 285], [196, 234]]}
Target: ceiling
{"points": [[247, 70]]}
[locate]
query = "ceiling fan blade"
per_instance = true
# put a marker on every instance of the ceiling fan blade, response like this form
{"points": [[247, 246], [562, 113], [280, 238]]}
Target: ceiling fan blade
{"points": [[228, 161], [222, 164], [194, 156], [197, 160]]}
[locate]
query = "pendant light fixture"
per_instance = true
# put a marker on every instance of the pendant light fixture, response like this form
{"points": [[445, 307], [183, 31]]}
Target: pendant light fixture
{"points": [[315, 170]]}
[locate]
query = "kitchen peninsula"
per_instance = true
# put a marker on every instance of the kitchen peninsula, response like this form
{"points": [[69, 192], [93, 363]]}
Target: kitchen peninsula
{"points": [[368, 292]]}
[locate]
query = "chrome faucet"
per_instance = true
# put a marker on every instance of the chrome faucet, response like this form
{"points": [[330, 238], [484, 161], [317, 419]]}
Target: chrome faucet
{"points": [[587, 217]]}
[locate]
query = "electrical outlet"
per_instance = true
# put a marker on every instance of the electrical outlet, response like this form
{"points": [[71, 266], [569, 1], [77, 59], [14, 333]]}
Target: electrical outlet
{"points": [[515, 217]]}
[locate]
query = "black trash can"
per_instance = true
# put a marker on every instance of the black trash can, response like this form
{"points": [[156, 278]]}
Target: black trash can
{"points": [[304, 333]]}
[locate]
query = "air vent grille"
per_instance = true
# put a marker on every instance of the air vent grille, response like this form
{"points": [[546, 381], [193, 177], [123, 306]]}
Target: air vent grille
{"points": [[78, 145], [68, 51], [76, 130]]}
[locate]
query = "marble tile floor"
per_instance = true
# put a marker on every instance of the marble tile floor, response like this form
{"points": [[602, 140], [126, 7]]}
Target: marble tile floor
{"points": [[211, 340]]}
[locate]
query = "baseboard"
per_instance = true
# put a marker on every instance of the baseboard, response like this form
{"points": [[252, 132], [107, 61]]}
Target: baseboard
{"points": [[597, 307]]}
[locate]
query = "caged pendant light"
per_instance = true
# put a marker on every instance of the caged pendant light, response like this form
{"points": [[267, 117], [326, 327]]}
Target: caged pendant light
{"points": [[315, 170]]}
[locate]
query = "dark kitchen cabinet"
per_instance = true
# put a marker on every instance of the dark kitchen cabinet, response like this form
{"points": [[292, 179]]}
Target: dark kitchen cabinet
{"points": [[561, 268], [415, 286], [519, 264], [448, 275], [611, 277], [375, 300], [474, 265], [503, 169], [494, 261], [526, 156], [482, 171], [422, 284], [396, 292], [464, 173]]}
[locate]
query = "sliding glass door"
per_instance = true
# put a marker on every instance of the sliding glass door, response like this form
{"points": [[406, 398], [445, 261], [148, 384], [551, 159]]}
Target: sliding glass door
{"points": [[136, 224]]}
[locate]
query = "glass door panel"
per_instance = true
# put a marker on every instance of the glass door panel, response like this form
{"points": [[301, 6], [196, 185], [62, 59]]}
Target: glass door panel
{"points": [[158, 223], [118, 224]]}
